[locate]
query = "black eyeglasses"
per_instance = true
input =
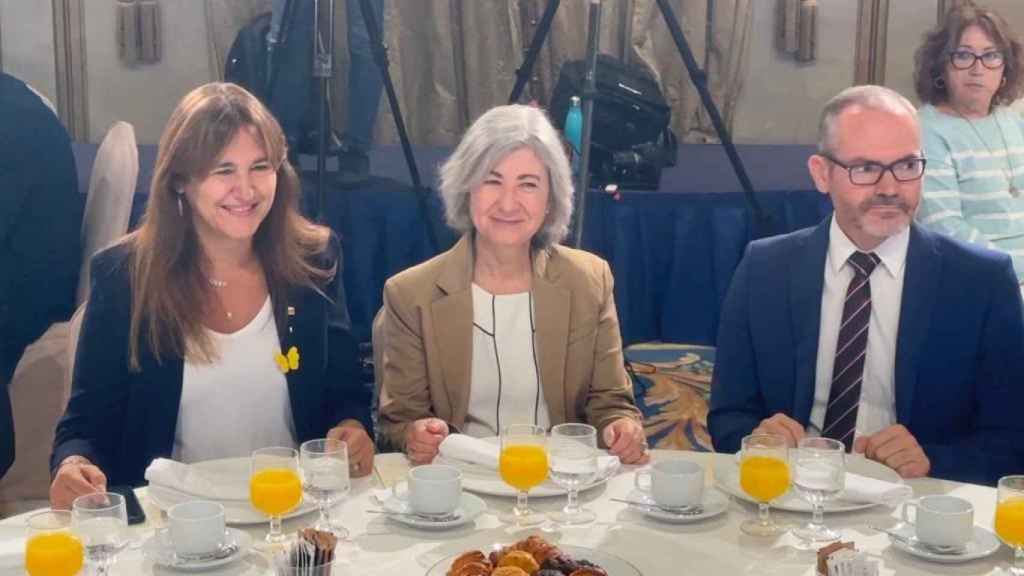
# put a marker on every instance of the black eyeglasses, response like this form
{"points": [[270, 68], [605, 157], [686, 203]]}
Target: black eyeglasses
{"points": [[870, 173], [964, 59]]}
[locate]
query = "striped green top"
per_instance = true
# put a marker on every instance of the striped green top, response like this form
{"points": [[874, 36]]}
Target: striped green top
{"points": [[966, 192]]}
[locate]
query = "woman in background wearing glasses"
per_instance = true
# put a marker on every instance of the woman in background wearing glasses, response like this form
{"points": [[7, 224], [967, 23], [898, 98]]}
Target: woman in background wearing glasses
{"points": [[966, 72]]}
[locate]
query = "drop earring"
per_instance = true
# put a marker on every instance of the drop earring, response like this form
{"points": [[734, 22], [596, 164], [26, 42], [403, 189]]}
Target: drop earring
{"points": [[181, 209]]}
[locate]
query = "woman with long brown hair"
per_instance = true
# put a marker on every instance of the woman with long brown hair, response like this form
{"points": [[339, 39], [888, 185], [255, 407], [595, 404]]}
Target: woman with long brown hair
{"points": [[215, 328]]}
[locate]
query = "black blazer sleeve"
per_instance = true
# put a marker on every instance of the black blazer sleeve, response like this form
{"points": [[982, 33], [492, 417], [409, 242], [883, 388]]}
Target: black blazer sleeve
{"points": [[93, 419]]}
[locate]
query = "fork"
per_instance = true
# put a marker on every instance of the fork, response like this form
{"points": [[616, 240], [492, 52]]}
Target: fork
{"points": [[678, 510]]}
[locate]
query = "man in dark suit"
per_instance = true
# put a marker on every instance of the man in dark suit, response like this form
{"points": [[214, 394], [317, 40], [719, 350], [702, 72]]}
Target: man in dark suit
{"points": [[906, 346], [40, 223]]}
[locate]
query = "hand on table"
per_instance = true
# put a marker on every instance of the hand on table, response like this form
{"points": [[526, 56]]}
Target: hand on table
{"points": [[75, 477], [897, 448], [782, 425], [422, 439], [625, 438], [360, 446]]}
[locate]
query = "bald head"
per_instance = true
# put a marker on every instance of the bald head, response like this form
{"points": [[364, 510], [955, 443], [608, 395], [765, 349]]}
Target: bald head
{"points": [[867, 97]]}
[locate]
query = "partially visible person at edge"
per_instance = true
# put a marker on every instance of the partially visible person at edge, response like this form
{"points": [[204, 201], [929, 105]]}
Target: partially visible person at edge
{"points": [[214, 329], [967, 72], [508, 326]]}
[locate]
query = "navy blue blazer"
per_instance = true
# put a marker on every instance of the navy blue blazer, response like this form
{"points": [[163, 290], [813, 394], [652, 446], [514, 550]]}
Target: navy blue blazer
{"points": [[959, 370], [121, 420]]}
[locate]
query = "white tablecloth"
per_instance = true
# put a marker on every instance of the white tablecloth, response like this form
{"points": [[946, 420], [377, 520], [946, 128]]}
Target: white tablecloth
{"points": [[380, 547]]}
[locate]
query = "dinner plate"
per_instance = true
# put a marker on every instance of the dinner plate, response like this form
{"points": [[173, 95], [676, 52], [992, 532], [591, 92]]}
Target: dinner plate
{"points": [[470, 506], [612, 564], [160, 550], [485, 480], [728, 478], [231, 470], [983, 544]]}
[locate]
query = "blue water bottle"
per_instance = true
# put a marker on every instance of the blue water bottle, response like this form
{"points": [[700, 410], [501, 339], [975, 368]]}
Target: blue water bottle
{"points": [[574, 132]]}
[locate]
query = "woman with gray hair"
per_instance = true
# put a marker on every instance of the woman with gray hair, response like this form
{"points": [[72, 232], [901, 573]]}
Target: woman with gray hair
{"points": [[507, 327]]}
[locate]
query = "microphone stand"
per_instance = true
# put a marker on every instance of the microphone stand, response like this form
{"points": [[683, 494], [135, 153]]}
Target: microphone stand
{"points": [[323, 67], [589, 91]]}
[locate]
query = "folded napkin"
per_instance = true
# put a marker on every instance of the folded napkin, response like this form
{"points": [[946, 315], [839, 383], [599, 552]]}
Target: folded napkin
{"points": [[863, 489], [185, 478], [464, 448]]}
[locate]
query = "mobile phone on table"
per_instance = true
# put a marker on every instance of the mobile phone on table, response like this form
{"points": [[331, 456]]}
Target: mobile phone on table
{"points": [[135, 513]]}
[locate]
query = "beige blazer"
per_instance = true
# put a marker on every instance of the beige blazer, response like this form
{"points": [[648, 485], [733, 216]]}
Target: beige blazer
{"points": [[428, 348]]}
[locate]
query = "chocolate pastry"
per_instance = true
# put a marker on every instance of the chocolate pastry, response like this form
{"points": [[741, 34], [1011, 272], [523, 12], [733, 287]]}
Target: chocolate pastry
{"points": [[548, 572], [589, 571], [560, 562]]}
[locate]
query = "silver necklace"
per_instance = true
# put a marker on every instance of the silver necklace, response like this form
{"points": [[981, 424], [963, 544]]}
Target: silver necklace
{"points": [[217, 283], [1008, 170]]}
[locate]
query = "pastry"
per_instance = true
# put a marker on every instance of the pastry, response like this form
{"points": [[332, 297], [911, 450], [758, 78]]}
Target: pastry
{"points": [[471, 569], [522, 559], [560, 562], [589, 571], [467, 558], [509, 571], [549, 572]]}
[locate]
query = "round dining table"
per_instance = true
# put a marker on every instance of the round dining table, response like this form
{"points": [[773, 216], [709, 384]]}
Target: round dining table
{"points": [[379, 546]]}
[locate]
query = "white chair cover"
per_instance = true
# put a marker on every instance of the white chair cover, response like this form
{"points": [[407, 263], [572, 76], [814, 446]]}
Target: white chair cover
{"points": [[108, 206]]}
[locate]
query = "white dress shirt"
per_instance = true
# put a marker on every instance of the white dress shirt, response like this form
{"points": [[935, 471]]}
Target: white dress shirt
{"points": [[238, 403], [877, 408], [505, 387]]}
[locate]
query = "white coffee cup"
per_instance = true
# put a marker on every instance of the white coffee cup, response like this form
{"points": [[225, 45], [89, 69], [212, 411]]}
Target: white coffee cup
{"points": [[196, 527], [672, 482], [941, 520], [432, 489]]}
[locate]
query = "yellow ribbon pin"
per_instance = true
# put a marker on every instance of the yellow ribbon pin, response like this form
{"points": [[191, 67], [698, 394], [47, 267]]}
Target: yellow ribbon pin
{"points": [[289, 362]]}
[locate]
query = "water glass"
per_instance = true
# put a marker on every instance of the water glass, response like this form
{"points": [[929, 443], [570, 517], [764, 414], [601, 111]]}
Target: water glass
{"points": [[764, 476], [572, 462], [274, 486], [100, 521], [1009, 523], [819, 474], [523, 464], [325, 479]]}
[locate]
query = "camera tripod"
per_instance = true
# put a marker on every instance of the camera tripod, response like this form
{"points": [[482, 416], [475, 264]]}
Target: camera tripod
{"points": [[762, 220]]}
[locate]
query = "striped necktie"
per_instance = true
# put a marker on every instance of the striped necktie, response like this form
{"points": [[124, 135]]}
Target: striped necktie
{"points": [[851, 347]]}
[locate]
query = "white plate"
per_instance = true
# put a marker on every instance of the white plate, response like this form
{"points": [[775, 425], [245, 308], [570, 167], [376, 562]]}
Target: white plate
{"points": [[728, 479], [469, 508], [611, 563], [234, 471], [983, 544], [714, 503], [484, 480], [160, 550]]}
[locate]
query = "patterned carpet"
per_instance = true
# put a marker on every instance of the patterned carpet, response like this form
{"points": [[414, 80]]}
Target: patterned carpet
{"points": [[672, 384]]}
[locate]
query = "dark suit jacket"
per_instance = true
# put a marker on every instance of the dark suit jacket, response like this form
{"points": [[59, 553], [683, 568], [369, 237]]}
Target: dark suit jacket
{"points": [[40, 223], [122, 420], [959, 370]]}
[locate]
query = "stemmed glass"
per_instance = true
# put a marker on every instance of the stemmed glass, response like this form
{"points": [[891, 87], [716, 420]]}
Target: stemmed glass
{"points": [[572, 455], [100, 521], [523, 464], [274, 486], [764, 476], [819, 474], [51, 548], [1009, 522], [325, 478]]}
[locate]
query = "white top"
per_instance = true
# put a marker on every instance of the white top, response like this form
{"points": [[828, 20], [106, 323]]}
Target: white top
{"points": [[505, 387], [877, 409], [240, 402]]}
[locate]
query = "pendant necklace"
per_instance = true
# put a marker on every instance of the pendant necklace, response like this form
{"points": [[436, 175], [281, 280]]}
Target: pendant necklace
{"points": [[220, 284], [1008, 169]]}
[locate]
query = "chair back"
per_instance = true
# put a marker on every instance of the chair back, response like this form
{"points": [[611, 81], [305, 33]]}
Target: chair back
{"points": [[108, 206]]}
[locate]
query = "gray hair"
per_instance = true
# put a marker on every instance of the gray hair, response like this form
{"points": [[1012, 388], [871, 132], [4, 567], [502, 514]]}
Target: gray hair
{"points": [[866, 96], [499, 132]]}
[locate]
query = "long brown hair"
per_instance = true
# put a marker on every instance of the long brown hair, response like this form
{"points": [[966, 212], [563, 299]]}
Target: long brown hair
{"points": [[168, 286], [932, 56]]}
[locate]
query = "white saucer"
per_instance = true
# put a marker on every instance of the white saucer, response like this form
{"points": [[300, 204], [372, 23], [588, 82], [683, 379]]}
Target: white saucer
{"points": [[983, 544], [470, 506], [160, 550], [714, 503]]}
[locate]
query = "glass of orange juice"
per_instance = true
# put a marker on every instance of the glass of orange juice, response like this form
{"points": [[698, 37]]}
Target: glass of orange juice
{"points": [[275, 487], [523, 464], [764, 476], [1010, 518], [51, 548]]}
